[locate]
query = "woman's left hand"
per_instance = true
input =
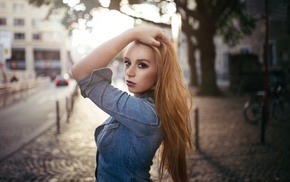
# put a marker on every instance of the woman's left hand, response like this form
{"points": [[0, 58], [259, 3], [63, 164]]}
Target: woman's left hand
{"points": [[151, 36]]}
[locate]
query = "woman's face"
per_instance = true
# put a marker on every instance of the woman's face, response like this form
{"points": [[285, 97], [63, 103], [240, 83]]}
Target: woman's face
{"points": [[140, 68]]}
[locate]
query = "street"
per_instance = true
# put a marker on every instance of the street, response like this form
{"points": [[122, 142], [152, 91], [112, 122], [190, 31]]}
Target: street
{"points": [[30, 117]]}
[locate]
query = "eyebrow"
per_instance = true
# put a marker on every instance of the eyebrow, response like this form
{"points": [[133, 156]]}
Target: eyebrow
{"points": [[138, 60]]}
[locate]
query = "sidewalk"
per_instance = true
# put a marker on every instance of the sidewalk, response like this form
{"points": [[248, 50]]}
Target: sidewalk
{"points": [[230, 148]]}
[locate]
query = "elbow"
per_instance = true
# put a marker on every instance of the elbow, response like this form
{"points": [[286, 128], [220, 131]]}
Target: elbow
{"points": [[74, 73], [78, 72]]}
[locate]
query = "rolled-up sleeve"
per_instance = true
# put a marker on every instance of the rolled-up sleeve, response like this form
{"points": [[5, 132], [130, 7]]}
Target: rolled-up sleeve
{"points": [[97, 76], [138, 114]]}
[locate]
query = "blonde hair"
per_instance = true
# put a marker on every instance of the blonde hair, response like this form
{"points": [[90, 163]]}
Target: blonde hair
{"points": [[173, 103]]}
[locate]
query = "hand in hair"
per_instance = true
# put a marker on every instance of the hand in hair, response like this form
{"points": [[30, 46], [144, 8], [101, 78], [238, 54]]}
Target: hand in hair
{"points": [[151, 36]]}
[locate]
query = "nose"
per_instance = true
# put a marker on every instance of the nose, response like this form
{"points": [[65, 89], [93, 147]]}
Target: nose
{"points": [[130, 72]]}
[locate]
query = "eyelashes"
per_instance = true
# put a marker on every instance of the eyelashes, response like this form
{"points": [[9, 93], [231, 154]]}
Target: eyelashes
{"points": [[127, 63], [141, 65]]}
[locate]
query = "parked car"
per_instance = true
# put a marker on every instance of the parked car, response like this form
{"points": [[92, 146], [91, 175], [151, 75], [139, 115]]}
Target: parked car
{"points": [[60, 80]]}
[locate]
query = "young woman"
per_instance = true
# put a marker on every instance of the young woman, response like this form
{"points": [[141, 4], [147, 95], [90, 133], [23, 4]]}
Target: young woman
{"points": [[156, 115]]}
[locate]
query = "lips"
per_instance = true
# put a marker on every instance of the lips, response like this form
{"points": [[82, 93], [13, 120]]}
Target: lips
{"points": [[130, 84]]}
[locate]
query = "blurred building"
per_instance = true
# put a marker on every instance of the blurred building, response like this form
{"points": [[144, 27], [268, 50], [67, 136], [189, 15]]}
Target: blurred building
{"points": [[38, 45], [278, 45]]}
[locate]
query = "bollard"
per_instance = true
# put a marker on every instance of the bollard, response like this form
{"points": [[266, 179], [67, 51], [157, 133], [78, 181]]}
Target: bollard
{"points": [[6, 94], [67, 110], [196, 122], [76, 91], [72, 102], [57, 118]]}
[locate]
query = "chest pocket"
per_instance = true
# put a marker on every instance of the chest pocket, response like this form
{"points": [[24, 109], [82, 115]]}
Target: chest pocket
{"points": [[106, 136]]}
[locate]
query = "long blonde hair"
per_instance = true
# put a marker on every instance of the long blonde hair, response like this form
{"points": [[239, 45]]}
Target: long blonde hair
{"points": [[173, 103]]}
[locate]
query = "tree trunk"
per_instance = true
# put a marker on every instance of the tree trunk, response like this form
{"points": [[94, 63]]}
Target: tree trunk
{"points": [[208, 74], [191, 62]]}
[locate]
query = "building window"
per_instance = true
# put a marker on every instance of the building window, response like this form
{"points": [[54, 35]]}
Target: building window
{"points": [[19, 22], [19, 36], [3, 21], [2, 6], [271, 54], [17, 60], [245, 50], [47, 60], [36, 36], [18, 7]]}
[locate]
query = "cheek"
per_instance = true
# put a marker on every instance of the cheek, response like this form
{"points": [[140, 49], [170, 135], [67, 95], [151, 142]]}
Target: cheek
{"points": [[153, 77]]}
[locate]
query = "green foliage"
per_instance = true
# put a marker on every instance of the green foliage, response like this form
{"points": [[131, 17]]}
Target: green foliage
{"points": [[228, 16], [53, 3], [72, 16], [236, 25], [39, 3]]}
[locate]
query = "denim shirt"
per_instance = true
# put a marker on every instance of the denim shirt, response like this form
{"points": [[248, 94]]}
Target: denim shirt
{"points": [[129, 138]]}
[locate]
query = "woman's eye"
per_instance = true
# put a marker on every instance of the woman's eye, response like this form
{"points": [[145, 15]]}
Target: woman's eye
{"points": [[127, 63], [143, 65]]}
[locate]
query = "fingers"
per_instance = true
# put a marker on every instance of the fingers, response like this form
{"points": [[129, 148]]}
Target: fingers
{"points": [[156, 42], [164, 37], [161, 37], [152, 36]]}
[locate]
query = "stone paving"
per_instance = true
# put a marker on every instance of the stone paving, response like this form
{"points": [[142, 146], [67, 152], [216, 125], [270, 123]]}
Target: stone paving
{"points": [[229, 147], [68, 156]]}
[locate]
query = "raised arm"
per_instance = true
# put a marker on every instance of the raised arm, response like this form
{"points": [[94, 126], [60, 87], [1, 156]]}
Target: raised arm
{"points": [[105, 53]]}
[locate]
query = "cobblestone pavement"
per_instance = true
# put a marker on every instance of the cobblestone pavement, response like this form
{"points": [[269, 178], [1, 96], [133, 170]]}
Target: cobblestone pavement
{"points": [[68, 156], [230, 148]]}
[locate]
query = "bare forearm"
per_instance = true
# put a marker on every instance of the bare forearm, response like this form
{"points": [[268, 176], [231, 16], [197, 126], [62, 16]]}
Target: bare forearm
{"points": [[102, 55]]}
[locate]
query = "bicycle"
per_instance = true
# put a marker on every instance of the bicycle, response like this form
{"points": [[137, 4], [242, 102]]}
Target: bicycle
{"points": [[279, 106]]}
